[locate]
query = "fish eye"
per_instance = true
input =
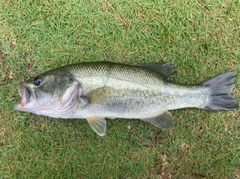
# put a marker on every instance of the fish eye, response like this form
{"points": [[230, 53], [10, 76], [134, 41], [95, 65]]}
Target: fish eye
{"points": [[37, 81], [70, 79]]}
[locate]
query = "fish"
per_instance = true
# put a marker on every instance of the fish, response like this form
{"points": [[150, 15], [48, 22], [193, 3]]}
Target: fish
{"points": [[99, 90]]}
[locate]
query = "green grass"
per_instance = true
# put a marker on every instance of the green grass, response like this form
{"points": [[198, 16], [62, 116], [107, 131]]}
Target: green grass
{"points": [[202, 38]]}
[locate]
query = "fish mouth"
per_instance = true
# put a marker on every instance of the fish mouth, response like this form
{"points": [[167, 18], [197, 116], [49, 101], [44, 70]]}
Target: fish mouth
{"points": [[26, 94]]}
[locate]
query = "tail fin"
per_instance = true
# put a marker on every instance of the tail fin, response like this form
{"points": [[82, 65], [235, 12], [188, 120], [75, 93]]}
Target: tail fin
{"points": [[220, 92]]}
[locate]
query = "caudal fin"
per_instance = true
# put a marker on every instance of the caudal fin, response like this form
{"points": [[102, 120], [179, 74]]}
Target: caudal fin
{"points": [[220, 92]]}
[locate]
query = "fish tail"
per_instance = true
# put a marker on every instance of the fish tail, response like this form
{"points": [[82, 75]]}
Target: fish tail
{"points": [[220, 88]]}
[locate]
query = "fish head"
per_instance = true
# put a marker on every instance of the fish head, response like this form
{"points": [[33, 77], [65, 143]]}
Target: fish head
{"points": [[55, 94]]}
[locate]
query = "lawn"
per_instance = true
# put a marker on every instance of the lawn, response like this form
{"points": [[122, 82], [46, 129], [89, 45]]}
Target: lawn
{"points": [[202, 39]]}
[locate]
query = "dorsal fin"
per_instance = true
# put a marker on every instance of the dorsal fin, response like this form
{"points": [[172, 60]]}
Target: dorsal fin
{"points": [[163, 69]]}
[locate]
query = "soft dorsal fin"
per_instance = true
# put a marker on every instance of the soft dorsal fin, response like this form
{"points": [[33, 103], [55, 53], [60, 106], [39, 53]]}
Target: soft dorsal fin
{"points": [[164, 120], [163, 69], [98, 125]]}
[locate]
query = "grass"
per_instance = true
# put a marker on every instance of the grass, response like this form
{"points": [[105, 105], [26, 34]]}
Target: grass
{"points": [[202, 38]]}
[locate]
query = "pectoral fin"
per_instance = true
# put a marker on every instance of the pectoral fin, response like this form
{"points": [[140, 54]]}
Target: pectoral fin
{"points": [[101, 95], [164, 120], [98, 124]]}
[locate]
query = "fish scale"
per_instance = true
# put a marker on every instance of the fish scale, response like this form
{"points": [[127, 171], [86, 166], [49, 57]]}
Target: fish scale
{"points": [[147, 84], [108, 74]]}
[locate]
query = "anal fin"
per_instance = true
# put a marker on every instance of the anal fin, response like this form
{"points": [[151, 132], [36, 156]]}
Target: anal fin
{"points": [[164, 120], [98, 125]]}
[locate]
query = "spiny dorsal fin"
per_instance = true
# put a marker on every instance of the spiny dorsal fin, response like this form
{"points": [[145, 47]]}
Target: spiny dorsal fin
{"points": [[163, 69], [98, 125], [164, 120]]}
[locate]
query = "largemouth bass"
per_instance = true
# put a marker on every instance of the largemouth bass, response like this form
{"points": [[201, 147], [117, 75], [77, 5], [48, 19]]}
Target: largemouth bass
{"points": [[100, 90]]}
